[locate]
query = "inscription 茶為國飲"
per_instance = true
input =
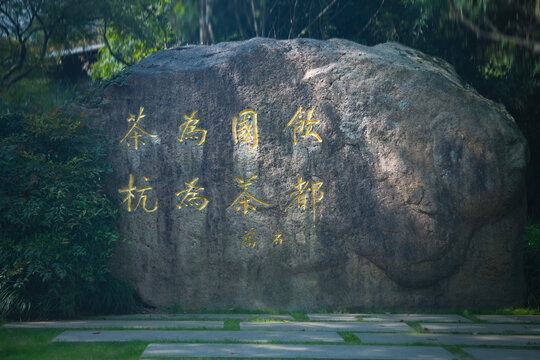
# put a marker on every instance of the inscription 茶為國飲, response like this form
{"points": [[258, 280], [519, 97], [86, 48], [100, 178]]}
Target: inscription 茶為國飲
{"points": [[303, 125], [136, 131], [191, 196], [130, 188], [301, 192], [190, 130], [244, 128], [245, 200]]}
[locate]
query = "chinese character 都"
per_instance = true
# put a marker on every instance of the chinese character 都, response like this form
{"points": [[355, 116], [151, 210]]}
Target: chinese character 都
{"points": [[245, 198], [303, 124], [300, 194], [136, 130], [130, 188], [190, 196], [277, 239], [190, 130], [247, 240], [244, 128]]}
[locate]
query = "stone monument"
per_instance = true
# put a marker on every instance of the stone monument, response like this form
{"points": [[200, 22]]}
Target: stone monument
{"points": [[305, 174]]}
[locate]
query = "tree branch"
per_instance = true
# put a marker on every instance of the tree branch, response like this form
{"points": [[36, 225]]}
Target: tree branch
{"points": [[304, 30], [493, 35], [371, 18], [117, 57]]}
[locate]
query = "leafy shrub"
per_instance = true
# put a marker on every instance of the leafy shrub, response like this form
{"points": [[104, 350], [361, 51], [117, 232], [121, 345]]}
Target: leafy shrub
{"points": [[532, 264], [57, 226]]}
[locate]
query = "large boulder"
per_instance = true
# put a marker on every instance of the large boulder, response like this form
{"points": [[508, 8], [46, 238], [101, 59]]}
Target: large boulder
{"points": [[310, 174]]}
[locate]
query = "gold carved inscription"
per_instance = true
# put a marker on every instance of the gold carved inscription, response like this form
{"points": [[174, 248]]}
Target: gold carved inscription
{"points": [[245, 201], [130, 189], [302, 188], [303, 125], [277, 239], [136, 131], [188, 130], [244, 128], [247, 238], [190, 196]]}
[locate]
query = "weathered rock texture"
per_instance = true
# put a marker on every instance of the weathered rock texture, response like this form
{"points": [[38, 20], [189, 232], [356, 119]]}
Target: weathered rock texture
{"points": [[421, 198]]}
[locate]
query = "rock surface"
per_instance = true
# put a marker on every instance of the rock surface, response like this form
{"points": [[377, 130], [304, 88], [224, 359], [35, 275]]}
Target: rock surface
{"points": [[376, 179]]}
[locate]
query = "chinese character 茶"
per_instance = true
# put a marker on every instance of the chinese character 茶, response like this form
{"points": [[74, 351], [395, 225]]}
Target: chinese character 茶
{"points": [[136, 131]]}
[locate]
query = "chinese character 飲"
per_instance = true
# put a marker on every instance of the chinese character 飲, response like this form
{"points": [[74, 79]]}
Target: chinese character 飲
{"points": [[303, 124]]}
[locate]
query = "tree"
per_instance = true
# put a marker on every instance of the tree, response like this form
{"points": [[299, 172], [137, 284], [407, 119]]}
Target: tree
{"points": [[31, 28]]}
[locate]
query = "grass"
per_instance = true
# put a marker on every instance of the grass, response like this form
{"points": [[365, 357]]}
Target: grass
{"points": [[24, 344]]}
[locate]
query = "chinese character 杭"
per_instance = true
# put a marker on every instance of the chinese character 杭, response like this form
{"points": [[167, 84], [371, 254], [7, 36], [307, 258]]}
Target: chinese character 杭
{"points": [[244, 128], [247, 240], [136, 131], [277, 239], [303, 124], [190, 130], [130, 188], [300, 194], [245, 199], [190, 196]]}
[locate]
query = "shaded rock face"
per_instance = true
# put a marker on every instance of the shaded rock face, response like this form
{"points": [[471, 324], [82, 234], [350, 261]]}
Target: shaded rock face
{"points": [[311, 174]]}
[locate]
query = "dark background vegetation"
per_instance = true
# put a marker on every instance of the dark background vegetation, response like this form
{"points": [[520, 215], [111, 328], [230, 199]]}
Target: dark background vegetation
{"points": [[57, 229]]}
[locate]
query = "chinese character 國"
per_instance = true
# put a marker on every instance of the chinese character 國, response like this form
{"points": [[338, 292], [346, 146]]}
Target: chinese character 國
{"points": [[244, 128]]}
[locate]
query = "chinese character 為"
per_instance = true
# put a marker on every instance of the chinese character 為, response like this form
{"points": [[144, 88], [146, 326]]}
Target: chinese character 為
{"points": [[130, 188], [245, 198], [190, 130], [303, 124], [244, 128], [300, 194], [136, 130], [190, 196]]}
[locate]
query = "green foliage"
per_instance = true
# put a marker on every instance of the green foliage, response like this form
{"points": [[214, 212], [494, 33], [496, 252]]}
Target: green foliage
{"points": [[57, 226], [532, 264]]}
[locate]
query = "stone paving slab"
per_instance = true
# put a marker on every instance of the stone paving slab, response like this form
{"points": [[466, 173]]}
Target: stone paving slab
{"points": [[327, 326], [510, 318], [200, 335], [416, 317], [297, 351], [199, 316], [483, 328], [503, 354], [390, 317], [334, 317], [136, 324], [450, 339]]}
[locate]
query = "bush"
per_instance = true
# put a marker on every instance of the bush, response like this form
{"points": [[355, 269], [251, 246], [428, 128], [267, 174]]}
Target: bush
{"points": [[57, 226], [532, 264]]}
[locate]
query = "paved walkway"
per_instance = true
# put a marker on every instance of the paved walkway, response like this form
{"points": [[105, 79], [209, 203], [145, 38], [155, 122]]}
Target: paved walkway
{"points": [[324, 336]]}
